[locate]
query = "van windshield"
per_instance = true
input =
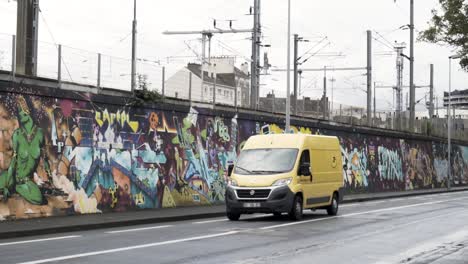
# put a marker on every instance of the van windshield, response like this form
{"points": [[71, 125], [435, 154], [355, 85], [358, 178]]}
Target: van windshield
{"points": [[265, 161]]}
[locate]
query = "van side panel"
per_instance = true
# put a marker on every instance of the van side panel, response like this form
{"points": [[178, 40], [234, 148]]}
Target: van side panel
{"points": [[326, 164]]}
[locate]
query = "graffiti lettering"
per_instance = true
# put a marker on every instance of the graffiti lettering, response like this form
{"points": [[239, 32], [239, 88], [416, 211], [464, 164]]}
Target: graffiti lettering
{"points": [[222, 129], [390, 164], [121, 118]]}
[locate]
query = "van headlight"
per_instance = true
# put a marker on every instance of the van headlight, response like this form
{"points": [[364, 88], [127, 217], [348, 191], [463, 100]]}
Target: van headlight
{"points": [[232, 183], [282, 182]]}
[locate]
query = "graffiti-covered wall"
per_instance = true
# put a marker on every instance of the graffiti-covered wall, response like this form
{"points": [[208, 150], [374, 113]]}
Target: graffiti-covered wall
{"points": [[75, 155]]}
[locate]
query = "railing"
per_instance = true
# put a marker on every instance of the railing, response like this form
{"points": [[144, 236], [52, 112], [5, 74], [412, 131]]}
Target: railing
{"points": [[70, 65]]}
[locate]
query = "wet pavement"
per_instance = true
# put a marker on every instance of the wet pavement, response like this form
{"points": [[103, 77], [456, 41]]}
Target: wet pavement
{"points": [[417, 229]]}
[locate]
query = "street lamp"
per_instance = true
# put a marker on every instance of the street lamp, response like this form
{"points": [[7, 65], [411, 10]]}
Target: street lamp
{"points": [[449, 121]]}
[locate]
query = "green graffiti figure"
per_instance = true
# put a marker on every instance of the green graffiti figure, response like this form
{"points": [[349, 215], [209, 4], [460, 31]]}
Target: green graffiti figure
{"points": [[28, 141]]}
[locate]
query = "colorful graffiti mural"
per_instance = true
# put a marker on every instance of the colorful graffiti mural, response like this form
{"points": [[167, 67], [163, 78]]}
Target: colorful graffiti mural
{"points": [[63, 156], [79, 157]]}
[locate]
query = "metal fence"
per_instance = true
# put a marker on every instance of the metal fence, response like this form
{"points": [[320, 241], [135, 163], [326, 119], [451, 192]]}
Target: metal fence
{"points": [[6, 52], [68, 64]]}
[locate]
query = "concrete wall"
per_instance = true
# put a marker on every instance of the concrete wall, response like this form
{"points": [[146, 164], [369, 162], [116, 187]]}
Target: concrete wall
{"points": [[64, 152]]}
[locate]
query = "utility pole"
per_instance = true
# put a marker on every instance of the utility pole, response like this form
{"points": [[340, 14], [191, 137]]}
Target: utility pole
{"points": [[206, 34], [27, 28], [294, 105], [297, 72], [324, 98], [202, 64], [431, 93], [255, 64], [332, 80], [369, 78], [399, 84], [288, 73], [412, 88], [375, 107], [134, 41]]}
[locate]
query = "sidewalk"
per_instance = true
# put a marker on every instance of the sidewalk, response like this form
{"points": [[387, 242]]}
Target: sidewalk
{"points": [[52, 225]]}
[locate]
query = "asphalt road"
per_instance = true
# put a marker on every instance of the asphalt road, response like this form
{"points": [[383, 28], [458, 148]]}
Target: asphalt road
{"points": [[420, 229]]}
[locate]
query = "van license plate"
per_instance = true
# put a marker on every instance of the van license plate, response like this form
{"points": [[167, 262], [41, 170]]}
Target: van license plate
{"points": [[251, 205]]}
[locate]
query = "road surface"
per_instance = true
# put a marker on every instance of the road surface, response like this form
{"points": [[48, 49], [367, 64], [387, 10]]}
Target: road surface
{"points": [[420, 229]]}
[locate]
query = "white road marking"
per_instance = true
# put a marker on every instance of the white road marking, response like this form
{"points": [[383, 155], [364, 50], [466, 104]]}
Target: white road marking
{"points": [[137, 229], [377, 202], [360, 213], [37, 240], [349, 205], [94, 253], [210, 221], [225, 219]]}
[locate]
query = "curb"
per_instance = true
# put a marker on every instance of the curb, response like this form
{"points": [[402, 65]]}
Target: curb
{"points": [[111, 224], [400, 195], [153, 220]]}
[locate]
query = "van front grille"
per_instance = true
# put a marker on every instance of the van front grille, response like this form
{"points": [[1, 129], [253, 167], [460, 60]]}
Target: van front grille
{"points": [[253, 193]]}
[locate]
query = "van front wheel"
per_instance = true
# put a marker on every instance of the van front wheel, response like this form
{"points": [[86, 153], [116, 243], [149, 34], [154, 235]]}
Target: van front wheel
{"points": [[233, 216], [333, 208], [296, 211]]}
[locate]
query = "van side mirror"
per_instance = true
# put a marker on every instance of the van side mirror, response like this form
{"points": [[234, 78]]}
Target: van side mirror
{"points": [[230, 169], [304, 169], [345, 166]]}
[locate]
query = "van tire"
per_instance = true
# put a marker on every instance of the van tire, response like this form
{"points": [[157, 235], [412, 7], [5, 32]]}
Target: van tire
{"points": [[332, 209], [233, 216], [296, 210]]}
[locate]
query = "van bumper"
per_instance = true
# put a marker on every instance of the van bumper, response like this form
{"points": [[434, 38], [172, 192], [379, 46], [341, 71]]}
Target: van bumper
{"points": [[280, 200]]}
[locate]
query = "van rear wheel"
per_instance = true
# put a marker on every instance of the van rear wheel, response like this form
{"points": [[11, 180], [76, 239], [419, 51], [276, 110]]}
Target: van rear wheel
{"points": [[296, 211], [332, 209]]}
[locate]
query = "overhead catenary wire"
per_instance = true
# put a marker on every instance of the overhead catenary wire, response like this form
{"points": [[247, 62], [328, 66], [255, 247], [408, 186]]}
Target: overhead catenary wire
{"points": [[315, 53], [229, 48], [313, 47], [383, 38]]}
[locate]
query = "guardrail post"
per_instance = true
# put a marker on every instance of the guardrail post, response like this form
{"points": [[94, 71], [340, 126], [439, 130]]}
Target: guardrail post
{"points": [[59, 69], [13, 58], [235, 94], [190, 88], [214, 90], [99, 72], [163, 82]]}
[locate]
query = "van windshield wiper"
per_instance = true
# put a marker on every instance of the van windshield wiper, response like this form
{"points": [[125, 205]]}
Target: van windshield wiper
{"points": [[266, 171], [244, 169]]}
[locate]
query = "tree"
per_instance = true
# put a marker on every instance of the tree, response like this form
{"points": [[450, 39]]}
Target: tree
{"points": [[450, 26], [143, 95], [143, 82]]}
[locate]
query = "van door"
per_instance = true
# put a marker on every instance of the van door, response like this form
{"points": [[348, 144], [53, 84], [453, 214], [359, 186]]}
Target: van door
{"points": [[322, 161], [306, 180]]}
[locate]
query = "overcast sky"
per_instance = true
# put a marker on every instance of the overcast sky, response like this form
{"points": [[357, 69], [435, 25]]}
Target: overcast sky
{"points": [[104, 26]]}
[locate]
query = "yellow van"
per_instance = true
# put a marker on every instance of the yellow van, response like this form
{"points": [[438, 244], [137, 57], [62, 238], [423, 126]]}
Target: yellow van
{"points": [[285, 173]]}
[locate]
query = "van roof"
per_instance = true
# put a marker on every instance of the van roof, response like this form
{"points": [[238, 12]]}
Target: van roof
{"points": [[292, 141]]}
